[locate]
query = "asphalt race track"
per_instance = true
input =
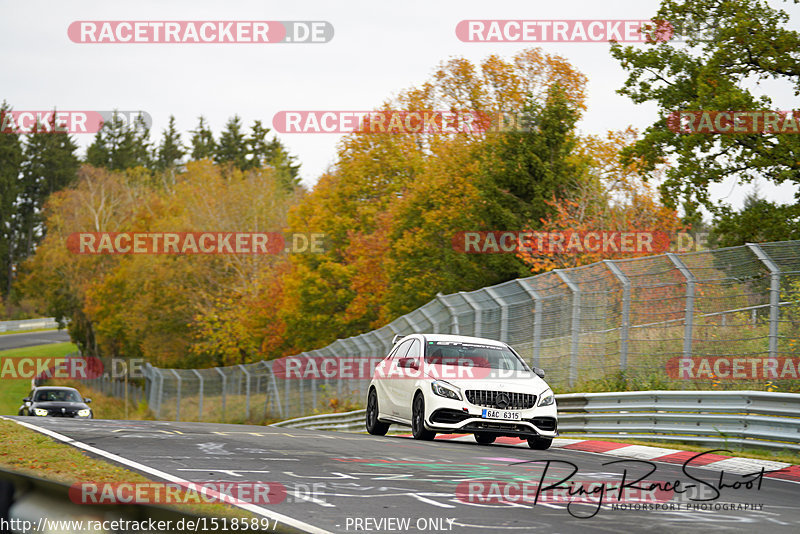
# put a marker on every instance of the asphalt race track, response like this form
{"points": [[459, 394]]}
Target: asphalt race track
{"points": [[342, 482], [30, 339]]}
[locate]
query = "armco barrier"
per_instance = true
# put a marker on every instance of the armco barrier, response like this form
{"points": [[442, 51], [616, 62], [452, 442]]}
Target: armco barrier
{"points": [[28, 324], [718, 418], [29, 498], [347, 421]]}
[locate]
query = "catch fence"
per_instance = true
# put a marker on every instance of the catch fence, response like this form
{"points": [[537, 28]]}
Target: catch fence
{"points": [[616, 324]]}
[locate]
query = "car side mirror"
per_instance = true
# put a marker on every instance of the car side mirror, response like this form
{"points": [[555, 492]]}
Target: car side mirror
{"points": [[409, 363], [87, 401], [26, 399], [539, 372]]}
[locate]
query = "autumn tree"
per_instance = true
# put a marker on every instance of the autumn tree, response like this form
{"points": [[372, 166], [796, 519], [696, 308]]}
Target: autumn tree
{"points": [[231, 147], [120, 145], [609, 195], [728, 44], [203, 144], [11, 157], [170, 151], [390, 207]]}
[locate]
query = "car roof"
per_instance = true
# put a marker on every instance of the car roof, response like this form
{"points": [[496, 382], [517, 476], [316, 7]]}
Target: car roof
{"points": [[464, 339], [55, 388]]}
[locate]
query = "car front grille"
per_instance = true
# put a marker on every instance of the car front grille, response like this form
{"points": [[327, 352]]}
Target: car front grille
{"points": [[56, 412], [489, 399]]}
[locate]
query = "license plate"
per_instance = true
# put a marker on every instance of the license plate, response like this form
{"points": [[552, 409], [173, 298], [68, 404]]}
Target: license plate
{"points": [[500, 414]]}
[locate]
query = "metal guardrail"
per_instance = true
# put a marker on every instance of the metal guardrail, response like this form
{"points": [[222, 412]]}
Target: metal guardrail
{"points": [[29, 499], [347, 421], [28, 324], [720, 418]]}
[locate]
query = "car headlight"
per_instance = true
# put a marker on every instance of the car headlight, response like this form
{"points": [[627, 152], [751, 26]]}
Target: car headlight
{"points": [[547, 398], [443, 389], [84, 413], [40, 411]]}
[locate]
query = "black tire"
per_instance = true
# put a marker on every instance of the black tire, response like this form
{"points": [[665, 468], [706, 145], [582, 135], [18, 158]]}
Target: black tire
{"points": [[374, 427], [540, 444], [418, 429], [485, 439]]}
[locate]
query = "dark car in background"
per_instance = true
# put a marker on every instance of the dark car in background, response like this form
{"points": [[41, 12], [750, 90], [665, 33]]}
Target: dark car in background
{"points": [[56, 402]]}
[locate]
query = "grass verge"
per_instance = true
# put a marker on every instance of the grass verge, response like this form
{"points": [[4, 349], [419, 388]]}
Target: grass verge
{"points": [[29, 452], [12, 390]]}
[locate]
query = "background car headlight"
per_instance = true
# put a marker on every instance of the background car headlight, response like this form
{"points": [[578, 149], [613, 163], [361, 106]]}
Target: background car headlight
{"points": [[40, 411], [443, 389], [547, 399], [84, 413]]}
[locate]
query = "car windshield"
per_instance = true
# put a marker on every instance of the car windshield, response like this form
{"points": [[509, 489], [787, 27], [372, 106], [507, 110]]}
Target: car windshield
{"points": [[473, 355], [57, 395]]}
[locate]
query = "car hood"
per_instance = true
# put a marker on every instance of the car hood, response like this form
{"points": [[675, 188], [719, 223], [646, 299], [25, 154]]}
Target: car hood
{"points": [[519, 381]]}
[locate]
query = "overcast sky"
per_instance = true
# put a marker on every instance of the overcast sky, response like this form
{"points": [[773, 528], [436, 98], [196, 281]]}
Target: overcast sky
{"points": [[379, 48]]}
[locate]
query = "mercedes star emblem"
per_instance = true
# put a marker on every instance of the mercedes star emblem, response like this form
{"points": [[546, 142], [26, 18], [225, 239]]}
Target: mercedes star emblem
{"points": [[502, 400]]}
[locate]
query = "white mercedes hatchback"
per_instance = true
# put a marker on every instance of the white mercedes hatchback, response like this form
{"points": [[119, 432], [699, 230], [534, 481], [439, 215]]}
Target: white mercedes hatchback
{"points": [[437, 383]]}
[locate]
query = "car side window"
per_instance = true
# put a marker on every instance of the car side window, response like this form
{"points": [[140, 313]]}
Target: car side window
{"points": [[414, 350], [402, 350]]}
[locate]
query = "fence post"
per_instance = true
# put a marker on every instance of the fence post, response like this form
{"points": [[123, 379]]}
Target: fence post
{"points": [[178, 396], [689, 317], [454, 329], [774, 296], [266, 387], [626, 312], [200, 400], [286, 390], [503, 313], [247, 392], [224, 387], [160, 396], [538, 306], [476, 313], [147, 372], [414, 325], [429, 317], [576, 325]]}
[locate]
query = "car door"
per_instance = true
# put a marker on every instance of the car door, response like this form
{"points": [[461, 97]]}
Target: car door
{"points": [[391, 380], [405, 386]]}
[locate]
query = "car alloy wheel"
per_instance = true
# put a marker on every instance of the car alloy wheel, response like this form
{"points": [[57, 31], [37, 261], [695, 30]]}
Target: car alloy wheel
{"points": [[540, 444], [374, 427], [418, 429]]}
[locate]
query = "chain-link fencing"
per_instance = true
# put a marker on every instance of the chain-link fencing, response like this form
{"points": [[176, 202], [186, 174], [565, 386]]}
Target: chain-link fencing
{"points": [[731, 315]]}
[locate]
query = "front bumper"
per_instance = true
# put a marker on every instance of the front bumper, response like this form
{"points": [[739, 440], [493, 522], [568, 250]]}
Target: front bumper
{"points": [[452, 416]]}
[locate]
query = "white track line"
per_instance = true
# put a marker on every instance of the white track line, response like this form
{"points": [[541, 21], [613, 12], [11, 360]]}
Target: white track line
{"points": [[171, 478]]}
